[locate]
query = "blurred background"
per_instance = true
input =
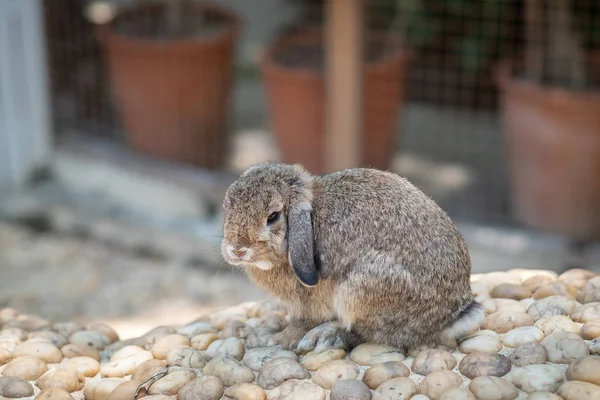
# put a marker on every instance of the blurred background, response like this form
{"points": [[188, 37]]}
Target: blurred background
{"points": [[123, 122]]}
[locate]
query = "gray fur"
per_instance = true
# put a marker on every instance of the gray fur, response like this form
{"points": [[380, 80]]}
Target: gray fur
{"points": [[392, 266]]}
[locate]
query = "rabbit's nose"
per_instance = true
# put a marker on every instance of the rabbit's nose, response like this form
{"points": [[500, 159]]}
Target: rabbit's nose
{"points": [[239, 252]]}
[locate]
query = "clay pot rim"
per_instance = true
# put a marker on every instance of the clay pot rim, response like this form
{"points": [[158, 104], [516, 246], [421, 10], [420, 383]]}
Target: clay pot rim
{"points": [[268, 64], [507, 83], [124, 42]]}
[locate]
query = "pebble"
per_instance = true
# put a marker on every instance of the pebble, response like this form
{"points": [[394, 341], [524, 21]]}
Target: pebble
{"points": [[86, 365], [371, 354], [458, 393], [262, 308], [576, 276], [395, 389], [431, 360], [106, 330], [162, 346], [51, 336], [202, 388], [69, 380], [313, 361], [504, 321], [510, 291], [5, 356], [125, 391], [377, 374], [155, 334], [509, 305], [203, 340], [124, 362], [186, 356], [484, 341], [197, 328], [543, 396], [556, 289], [256, 358], [45, 351], [80, 350], [27, 368], [13, 387], [67, 328], [297, 390], [89, 338], [229, 370], [553, 305], [148, 369], [590, 292], [536, 281], [586, 312], [437, 382], [222, 318], [279, 370], [577, 390], [586, 369], [333, 371], [171, 383], [529, 353], [557, 323], [484, 364], [230, 347], [522, 335], [100, 389], [595, 346], [350, 389], [493, 388], [589, 331], [565, 347], [245, 391], [536, 378], [53, 394], [420, 397]]}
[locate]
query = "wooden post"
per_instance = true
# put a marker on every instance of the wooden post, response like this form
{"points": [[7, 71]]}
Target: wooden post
{"points": [[343, 88]]}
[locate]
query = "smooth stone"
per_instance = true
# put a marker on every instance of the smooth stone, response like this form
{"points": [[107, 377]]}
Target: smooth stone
{"points": [[267, 307], [27, 368], [489, 306], [186, 356], [586, 312], [350, 389], [557, 323], [484, 364], [556, 289], [431, 360], [526, 303], [148, 369], [155, 334], [529, 353], [172, 383], [67, 328], [234, 313], [536, 281], [543, 396], [45, 351], [78, 350], [313, 361], [565, 347], [279, 370], [297, 390], [28, 322], [577, 277], [125, 391], [14, 388], [53, 394], [420, 397], [437, 382], [510, 291], [371, 354], [395, 389], [377, 374], [100, 389], [481, 342], [256, 358], [5, 356], [202, 388], [203, 340], [90, 338], [161, 348], [589, 331], [333, 371], [230, 347], [86, 365], [586, 369], [550, 306], [522, 335], [414, 351], [53, 337], [590, 292], [124, 362], [493, 388], [229, 370], [577, 390], [196, 328], [536, 378], [595, 346], [502, 322], [69, 380], [106, 330], [245, 391], [509, 305], [458, 393]]}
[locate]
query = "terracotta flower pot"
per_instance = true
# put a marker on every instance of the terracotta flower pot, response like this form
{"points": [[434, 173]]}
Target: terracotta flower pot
{"points": [[296, 101], [552, 141], [173, 95]]}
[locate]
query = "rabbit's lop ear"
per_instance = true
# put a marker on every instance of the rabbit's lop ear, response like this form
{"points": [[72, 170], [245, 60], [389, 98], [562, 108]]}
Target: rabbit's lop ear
{"points": [[300, 243]]}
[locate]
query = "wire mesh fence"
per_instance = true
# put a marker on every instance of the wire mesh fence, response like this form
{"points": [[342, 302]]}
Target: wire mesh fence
{"points": [[466, 125]]}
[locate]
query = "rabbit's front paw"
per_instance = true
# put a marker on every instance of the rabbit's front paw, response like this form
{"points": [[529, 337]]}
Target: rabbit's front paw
{"points": [[289, 338], [330, 335]]}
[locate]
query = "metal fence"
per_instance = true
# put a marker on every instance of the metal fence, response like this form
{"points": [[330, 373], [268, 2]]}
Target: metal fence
{"points": [[457, 135]]}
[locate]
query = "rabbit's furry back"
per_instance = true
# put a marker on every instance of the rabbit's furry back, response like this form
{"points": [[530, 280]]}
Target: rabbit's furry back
{"points": [[388, 262]]}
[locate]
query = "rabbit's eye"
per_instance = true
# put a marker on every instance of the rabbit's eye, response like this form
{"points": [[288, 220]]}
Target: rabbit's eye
{"points": [[273, 217]]}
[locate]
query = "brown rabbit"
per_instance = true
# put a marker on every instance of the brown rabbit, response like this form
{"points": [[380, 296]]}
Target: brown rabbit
{"points": [[358, 255]]}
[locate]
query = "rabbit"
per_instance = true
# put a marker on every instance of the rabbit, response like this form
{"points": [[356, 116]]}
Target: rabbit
{"points": [[359, 255]]}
